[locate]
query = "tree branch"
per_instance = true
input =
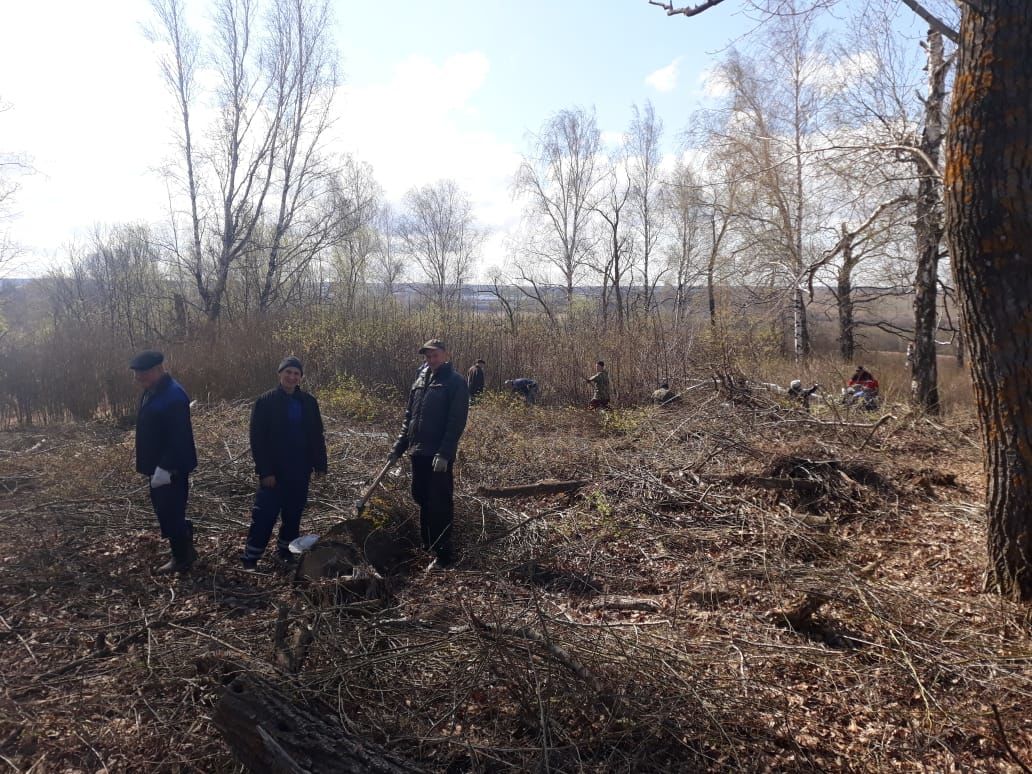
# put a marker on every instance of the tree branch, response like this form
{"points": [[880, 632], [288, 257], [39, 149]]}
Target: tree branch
{"points": [[688, 10], [933, 21]]}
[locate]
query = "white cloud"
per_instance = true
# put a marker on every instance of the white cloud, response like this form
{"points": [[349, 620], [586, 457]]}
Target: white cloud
{"points": [[410, 129], [93, 121], [712, 84], [665, 78], [835, 76]]}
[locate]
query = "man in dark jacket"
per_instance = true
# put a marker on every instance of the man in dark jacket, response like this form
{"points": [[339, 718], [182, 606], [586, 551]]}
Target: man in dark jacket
{"points": [[475, 379], [165, 453], [438, 405], [288, 445]]}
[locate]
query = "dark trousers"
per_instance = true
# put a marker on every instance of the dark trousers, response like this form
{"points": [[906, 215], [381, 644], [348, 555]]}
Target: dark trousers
{"points": [[169, 503], [285, 501], [433, 493]]}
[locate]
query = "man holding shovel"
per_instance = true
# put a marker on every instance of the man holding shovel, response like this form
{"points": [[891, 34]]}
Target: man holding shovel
{"points": [[435, 418], [288, 445], [165, 453]]}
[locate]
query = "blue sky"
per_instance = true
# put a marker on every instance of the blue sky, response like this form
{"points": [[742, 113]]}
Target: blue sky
{"points": [[545, 55], [447, 88]]}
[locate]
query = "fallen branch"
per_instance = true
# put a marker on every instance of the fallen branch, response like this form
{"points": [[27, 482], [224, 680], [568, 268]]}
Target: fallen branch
{"points": [[804, 485], [1006, 745], [268, 732], [546, 487], [563, 657], [626, 603]]}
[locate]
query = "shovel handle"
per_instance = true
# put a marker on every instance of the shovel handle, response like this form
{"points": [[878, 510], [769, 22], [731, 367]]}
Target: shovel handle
{"points": [[369, 490]]}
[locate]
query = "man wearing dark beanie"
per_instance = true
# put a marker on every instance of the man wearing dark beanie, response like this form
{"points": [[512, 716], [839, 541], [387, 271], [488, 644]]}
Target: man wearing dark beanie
{"points": [[288, 445]]}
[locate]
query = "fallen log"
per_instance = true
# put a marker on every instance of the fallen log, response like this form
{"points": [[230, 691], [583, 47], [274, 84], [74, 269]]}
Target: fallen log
{"points": [[267, 732], [546, 487], [802, 485]]}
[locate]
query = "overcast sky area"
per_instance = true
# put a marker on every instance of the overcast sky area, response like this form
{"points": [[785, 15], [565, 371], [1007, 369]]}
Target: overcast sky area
{"points": [[448, 88]]}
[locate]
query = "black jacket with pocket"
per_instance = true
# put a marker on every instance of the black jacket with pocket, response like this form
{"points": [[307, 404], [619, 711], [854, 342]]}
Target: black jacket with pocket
{"points": [[438, 405], [270, 445], [164, 435]]}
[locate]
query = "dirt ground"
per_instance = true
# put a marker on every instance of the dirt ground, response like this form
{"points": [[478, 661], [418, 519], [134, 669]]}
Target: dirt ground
{"points": [[736, 586]]}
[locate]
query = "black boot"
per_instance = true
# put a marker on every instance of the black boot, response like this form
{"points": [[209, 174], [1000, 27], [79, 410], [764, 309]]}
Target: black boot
{"points": [[183, 553]]}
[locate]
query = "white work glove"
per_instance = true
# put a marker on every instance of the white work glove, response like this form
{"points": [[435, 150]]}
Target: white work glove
{"points": [[160, 478], [440, 464]]}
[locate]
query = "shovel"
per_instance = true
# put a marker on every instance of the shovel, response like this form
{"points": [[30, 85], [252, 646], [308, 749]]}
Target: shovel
{"points": [[360, 503], [307, 542]]}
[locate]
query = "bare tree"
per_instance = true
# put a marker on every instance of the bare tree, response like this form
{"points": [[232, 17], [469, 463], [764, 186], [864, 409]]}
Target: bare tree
{"points": [[441, 236], [357, 239], [770, 136], [560, 178], [388, 266], [179, 67], [254, 189], [302, 72], [686, 212], [929, 228], [615, 254], [643, 166], [12, 165]]}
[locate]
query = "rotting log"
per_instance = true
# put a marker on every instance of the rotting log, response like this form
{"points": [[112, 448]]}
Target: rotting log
{"points": [[546, 487], [269, 733]]}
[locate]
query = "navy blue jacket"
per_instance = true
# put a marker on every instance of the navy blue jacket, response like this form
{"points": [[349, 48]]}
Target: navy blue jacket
{"points": [[164, 435], [270, 445], [438, 405]]}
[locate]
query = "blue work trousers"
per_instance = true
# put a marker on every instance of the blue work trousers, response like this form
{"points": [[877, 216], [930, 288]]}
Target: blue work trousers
{"points": [[169, 503], [284, 501]]}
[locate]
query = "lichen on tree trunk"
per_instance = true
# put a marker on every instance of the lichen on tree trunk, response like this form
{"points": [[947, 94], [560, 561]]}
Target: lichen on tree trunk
{"points": [[988, 185]]}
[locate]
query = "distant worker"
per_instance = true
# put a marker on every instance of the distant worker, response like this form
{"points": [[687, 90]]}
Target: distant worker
{"points": [[861, 389], [475, 379], [797, 392], [600, 380], [527, 388], [664, 395]]}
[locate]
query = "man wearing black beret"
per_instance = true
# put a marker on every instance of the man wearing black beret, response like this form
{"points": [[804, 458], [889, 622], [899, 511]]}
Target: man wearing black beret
{"points": [[165, 452], [288, 445]]}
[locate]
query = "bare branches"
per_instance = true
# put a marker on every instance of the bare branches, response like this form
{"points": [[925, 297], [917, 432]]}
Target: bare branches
{"points": [[441, 235], [934, 21], [686, 10]]}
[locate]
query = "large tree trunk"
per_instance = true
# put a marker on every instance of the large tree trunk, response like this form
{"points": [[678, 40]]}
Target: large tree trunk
{"points": [[711, 293], [928, 227], [989, 225], [268, 733], [800, 325], [844, 296]]}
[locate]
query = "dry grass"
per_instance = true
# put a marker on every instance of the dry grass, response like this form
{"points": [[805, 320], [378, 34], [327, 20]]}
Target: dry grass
{"points": [[738, 588]]}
